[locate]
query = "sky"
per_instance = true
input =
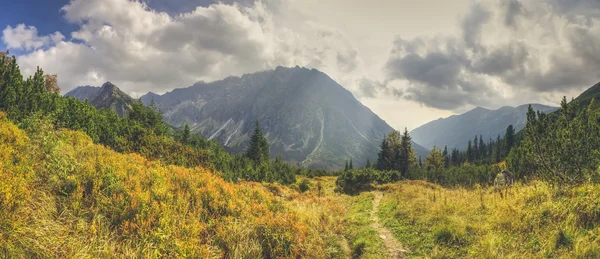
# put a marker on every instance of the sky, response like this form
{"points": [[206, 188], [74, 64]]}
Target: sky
{"points": [[409, 61]]}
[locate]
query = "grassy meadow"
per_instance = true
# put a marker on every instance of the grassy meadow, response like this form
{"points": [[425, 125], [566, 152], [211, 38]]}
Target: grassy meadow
{"points": [[532, 221]]}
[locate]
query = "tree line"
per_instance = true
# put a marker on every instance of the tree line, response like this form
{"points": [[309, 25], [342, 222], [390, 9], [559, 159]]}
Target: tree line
{"points": [[562, 147], [141, 130]]}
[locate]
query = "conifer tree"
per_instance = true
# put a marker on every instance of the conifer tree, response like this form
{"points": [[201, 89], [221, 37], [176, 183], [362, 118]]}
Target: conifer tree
{"points": [[482, 148], [368, 163], [350, 166], [258, 151], [185, 135], [406, 155], [385, 155], [446, 157], [470, 152], [509, 139]]}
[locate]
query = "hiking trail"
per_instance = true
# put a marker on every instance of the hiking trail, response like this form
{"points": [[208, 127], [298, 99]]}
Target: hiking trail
{"points": [[394, 247]]}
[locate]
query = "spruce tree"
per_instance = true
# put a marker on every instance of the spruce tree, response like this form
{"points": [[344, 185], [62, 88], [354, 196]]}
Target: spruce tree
{"points": [[482, 147], [509, 139], [446, 157], [469, 152], [350, 166], [384, 155], [407, 155], [368, 163], [185, 135], [258, 150]]}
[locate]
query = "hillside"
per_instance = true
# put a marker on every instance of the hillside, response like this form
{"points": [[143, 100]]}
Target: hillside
{"points": [[456, 130], [61, 196], [589, 94], [306, 116], [108, 96]]}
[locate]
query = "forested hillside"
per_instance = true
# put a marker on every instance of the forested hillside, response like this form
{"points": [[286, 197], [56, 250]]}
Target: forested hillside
{"points": [[141, 130]]}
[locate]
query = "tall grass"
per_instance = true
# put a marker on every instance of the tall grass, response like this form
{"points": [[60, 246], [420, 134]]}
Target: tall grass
{"points": [[62, 196], [531, 221]]}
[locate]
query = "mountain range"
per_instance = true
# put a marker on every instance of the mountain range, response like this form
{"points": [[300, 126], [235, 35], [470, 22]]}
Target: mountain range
{"points": [[456, 130], [305, 115]]}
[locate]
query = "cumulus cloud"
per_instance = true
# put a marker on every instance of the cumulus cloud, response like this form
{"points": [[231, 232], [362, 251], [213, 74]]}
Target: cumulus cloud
{"points": [[507, 49], [141, 49], [26, 38]]}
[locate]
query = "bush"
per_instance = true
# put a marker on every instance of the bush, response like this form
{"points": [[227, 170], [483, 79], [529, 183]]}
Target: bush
{"points": [[304, 185]]}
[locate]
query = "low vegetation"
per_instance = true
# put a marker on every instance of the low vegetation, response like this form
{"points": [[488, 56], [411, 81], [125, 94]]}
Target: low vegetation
{"points": [[535, 220], [64, 196]]}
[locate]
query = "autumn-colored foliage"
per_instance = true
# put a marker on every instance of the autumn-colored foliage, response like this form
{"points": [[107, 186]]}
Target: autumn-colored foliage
{"points": [[63, 196]]}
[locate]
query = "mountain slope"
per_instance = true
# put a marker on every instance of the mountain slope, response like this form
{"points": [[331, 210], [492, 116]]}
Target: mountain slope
{"points": [[108, 96], [589, 94], [456, 131], [306, 116]]}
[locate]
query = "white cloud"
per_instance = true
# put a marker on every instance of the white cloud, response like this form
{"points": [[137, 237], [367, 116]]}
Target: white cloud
{"points": [[143, 50], [452, 57], [26, 38]]}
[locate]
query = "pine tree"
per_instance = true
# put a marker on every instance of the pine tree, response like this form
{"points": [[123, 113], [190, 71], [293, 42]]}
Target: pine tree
{"points": [[509, 139], [406, 155], [446, 157], [475, 149], [498, 150], [350, 166], [482, 147], [368, 164], [346, 167], [185, 136], [470, 152], [385, 155], [258, 151]]}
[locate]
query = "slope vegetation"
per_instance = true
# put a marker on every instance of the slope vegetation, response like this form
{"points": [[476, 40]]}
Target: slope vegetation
{"points": [[531, 221], [63, 196]]}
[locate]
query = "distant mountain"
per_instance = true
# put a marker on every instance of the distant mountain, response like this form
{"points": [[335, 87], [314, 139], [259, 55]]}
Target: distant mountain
{"points": [[306, 116], [108, 96], [456, 130]]}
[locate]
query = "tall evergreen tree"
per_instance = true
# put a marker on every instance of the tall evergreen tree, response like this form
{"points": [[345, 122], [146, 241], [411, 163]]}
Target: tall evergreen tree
{"points": [[258, 151], [368, 163], [509, 139], [185, 135], [482, 148], [498, 150], [446, 157], [385, 156], [350, 166], [406, 155], [470, 152]]}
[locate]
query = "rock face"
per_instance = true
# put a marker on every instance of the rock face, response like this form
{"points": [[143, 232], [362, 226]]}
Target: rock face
{"points": [[108, 96], [456, 130], [307, 117]]}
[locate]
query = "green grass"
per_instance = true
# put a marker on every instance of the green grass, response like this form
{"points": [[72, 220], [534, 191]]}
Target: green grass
{"points": [[364, 240], [531, 221]]}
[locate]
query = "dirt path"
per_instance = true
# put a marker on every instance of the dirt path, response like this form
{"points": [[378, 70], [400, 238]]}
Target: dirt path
{"points": [[394, 248]]}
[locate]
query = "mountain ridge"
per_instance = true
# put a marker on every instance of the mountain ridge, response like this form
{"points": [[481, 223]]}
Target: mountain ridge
{"points": [[306, 116], [456, 130]]}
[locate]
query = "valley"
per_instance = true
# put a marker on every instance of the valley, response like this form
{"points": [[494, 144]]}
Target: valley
{"points": [[97, 174]]}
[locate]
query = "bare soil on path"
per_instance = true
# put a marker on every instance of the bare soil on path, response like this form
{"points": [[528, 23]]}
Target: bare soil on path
{"points": [[394, 247]]}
